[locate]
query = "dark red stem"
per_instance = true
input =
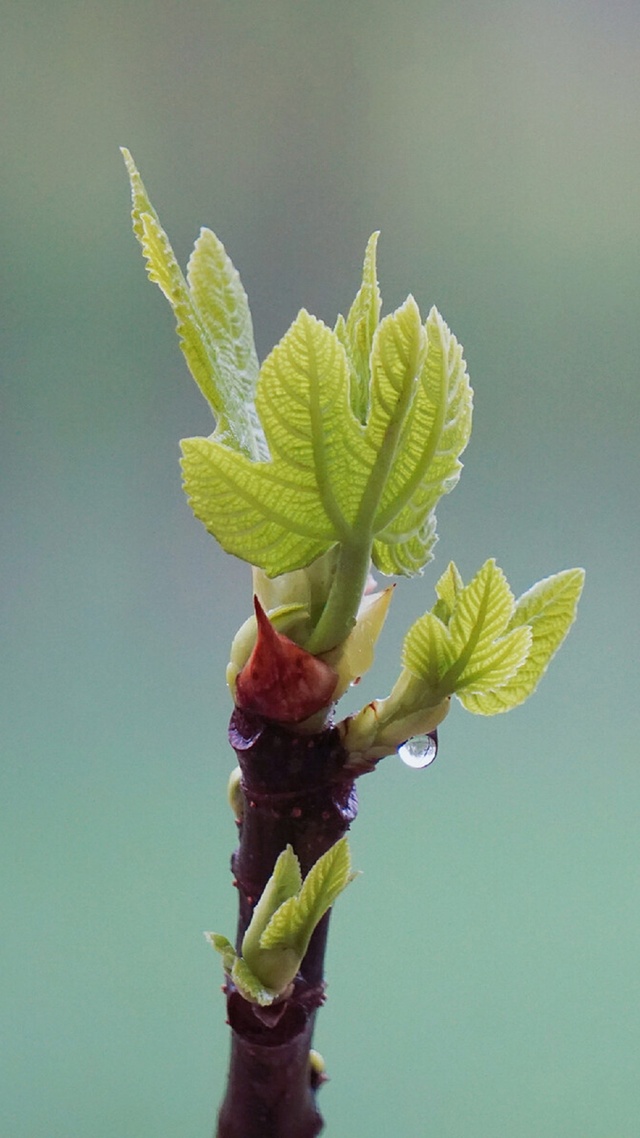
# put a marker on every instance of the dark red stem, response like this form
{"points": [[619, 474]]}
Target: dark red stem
{"points": [[296, 791]]}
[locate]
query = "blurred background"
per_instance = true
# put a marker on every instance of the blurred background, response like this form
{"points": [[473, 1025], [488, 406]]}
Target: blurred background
{"points": [[483, 972]]}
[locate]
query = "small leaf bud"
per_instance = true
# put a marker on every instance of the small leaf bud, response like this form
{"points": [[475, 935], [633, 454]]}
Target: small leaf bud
{"points": [[234, 793], [282, 681]]}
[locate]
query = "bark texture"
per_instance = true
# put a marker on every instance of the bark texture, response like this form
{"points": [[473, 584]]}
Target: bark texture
{"points": [[296, 791]]}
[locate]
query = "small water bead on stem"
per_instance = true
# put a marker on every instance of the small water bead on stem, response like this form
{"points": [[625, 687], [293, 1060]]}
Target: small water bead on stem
{"points": [[420, 751]]}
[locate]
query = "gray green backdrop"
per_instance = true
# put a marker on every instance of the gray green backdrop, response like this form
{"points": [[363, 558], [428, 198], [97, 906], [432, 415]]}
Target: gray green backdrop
{"points": [[484, 970]]}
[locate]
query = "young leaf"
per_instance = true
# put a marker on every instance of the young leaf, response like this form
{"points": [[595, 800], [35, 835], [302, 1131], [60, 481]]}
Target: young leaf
{"points": [[479, 618], [303, 403], [285, 882], [293, 923], [352, 438], [283, 922], [283, 514], [448, 587], [224, 947], [548, 609], [212, 321], [427, 651], [250, 986], [427, 414], [475, 651], [217, 292], [358, 331], [274, 972], [262, 512]]}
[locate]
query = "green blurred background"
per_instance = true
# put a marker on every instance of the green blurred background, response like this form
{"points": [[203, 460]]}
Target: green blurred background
{"points": [[484, 971]]}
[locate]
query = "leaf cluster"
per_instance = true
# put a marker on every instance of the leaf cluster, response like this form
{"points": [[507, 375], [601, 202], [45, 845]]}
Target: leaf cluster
{"points": [[477, 643], [283, 922], [344, 439]]}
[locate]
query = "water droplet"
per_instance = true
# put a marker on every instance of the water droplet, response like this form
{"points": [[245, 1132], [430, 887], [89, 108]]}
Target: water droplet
{"points": [[420, 751]]}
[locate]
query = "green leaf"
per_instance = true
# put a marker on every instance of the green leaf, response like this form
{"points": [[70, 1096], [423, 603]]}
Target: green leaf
{"points": [[421, 405], [285, 882], [284, 919], [257, 511], [448, 587], [293, 923], [475, 651], [478, 623], [250, 986], [221, 301], [303, 403], [283, 514], [548, 609], [358, 331], [224, 947], [427, 651], [212, 320]]}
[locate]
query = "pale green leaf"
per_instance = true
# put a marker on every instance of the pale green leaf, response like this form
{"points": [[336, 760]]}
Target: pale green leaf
{"points": [[359, 330], [496, 663], [324, 882], [481, 614], [250, 986], [548, 609], [303, 403], [475, 652], [421, 406], [427, 651], [293, 923], [284, 928], [449, 585], [220, 943], [283, 514], [203, 334], [224, 947], [221, 301], [199, 353], [261, 512], [285, 882]]}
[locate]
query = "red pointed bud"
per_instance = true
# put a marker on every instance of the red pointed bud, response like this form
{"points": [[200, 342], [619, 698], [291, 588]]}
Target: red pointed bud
{"points": [[280, 680]]}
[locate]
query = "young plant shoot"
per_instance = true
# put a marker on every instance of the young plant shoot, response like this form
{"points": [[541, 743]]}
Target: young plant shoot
{"points": [[326, 465]]}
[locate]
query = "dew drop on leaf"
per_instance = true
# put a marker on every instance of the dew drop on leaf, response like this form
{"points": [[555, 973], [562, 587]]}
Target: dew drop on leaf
{"points": [[419, 751]]}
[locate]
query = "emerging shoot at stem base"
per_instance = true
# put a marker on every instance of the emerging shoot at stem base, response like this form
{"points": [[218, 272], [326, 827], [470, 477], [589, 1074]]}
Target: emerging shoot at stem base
{"points": [[283, 923]]}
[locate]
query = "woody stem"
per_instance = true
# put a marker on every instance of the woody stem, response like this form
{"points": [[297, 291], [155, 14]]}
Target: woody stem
{"points": [[295, 791]]}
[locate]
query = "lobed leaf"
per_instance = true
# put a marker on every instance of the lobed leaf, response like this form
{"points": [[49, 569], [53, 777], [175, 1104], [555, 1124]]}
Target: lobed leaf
{"points": [[434, 432], [480, 616], [212, 319], [427, 650], [257, 511], [476, 650], [548, 609], [217, 292]]}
